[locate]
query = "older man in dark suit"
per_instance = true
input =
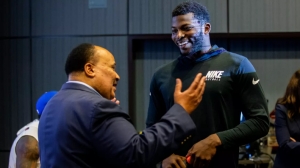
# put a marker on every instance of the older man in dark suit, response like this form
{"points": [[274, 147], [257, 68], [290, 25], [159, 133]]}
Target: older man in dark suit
{"points": [[82, 126]]}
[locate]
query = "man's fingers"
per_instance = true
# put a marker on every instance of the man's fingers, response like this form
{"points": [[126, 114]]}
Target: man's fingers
{"points": [[202, 86], [292, 139], [174, 161], [181, 162], [199, 90], [178, 86], [199, 84], [195, 83]]}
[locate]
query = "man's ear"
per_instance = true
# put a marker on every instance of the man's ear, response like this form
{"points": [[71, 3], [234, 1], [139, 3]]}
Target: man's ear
{"points": [[88, 69], [207, 28]]}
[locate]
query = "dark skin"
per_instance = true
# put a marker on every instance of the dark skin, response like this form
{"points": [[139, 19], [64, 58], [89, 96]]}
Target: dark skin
{"points": [[27, 152], [192, 36]]}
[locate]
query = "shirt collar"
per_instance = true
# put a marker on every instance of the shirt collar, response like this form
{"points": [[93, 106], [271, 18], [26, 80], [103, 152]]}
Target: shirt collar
{"points": [[82, 83], [215, 50]]}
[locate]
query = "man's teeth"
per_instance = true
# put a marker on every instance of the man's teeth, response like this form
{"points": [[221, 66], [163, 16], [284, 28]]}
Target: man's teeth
{"points": [[180, 44]]}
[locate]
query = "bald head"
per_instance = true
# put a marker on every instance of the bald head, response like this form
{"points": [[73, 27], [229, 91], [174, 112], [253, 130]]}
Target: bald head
{"points": [[102, 55]]}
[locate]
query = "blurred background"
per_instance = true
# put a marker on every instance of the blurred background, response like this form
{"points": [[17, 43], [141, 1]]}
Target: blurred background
{"points": [[36, 37]]}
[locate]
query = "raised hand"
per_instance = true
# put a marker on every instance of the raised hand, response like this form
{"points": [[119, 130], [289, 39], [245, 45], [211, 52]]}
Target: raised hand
{"points": [[191, 97]]}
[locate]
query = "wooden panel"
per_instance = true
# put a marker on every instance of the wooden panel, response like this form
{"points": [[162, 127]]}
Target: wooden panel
{"points": [[14, 18], [264, 16], [15, 89], [49, 55], [154, 17], [69, 17]]}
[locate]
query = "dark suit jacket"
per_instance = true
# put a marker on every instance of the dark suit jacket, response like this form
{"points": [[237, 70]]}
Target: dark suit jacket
{"points": [[288, 154], [80, 128]]}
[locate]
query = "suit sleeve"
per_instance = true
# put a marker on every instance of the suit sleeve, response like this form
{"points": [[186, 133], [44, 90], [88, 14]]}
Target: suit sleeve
{"points": [[283, 133], [117, 140], [253, 106], [156, 107]]}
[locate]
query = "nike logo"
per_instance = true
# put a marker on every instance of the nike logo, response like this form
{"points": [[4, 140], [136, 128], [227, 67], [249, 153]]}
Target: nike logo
{"points": [[254, 82]]}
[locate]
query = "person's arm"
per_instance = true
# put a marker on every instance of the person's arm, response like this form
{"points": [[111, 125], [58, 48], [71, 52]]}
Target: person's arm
{"points": [[253, 105], [27, 152], [251, 99], [118, 142], [287, 144], [156, 109]]}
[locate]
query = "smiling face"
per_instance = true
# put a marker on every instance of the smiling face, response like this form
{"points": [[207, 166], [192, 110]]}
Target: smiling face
{"points": [[106, 78], [189, 34]]}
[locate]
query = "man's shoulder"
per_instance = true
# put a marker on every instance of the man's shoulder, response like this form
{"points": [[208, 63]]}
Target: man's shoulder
{"points": [[100, 104], [234, 56], [81, 94], [234, 59], [77, 99], [105, 108]]}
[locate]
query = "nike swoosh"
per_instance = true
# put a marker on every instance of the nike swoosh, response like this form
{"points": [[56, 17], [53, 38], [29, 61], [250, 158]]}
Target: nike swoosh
{"points": [[254, 82]]}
